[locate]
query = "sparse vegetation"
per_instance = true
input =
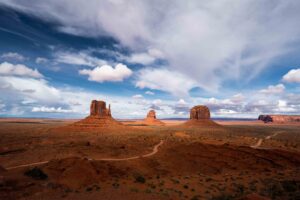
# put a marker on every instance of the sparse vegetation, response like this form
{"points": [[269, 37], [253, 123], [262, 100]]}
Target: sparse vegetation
{"points": [[140, 179], [36, 173], [194, 176]]}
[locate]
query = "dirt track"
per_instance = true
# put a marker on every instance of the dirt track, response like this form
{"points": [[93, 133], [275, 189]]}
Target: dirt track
{"points": [[260, 141], [154, 151]]}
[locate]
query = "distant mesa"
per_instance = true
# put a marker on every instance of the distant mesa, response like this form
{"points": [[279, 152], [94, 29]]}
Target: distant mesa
{"points": [[280, 118], [151, 119], [100, 116], [200, 115]]}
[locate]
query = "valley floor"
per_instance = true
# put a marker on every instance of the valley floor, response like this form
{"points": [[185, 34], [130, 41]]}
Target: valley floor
{"points": [[237, 160]]}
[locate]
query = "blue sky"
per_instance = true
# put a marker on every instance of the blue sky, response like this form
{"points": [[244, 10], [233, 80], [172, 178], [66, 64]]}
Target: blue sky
{"points": [[240, 59]]}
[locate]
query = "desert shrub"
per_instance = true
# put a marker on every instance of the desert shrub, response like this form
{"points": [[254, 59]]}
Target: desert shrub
{"points": [[36, 173], [273, 189], [197, 197], [140, 179], [208, 179], [134, 190], [222, 197], [289, 186], [175, 181], [185, 186], [148, 191], [240, 189], [116, 185]]}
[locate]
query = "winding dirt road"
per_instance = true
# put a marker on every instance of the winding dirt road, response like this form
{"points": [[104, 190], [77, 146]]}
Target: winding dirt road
{"points": [[154, 151], [260, 141]]}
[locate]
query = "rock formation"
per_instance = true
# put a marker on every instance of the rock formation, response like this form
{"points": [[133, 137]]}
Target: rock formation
{"points": [[280, 118], [200, 115], [151, 119], [100, 116], [98, 109]]}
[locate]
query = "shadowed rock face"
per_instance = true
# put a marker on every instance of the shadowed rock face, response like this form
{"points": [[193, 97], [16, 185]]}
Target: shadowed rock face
{"points": [[199, 113], [98, 109]]}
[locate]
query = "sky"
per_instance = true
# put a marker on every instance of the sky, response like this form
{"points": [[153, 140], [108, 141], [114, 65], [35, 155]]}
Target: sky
{"points": [[239, 58]]}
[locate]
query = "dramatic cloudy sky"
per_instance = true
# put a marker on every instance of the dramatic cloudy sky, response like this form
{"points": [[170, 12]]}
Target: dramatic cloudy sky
{"points": [[240, 58]]}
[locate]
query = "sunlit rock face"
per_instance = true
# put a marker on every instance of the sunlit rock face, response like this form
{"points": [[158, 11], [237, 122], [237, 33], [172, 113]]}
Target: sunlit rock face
{"points": [[280, 118], [199, 112], [100, 116]]}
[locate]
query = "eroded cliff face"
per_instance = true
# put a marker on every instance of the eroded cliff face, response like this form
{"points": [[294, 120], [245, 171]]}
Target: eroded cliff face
{"points": [[280, 118]]}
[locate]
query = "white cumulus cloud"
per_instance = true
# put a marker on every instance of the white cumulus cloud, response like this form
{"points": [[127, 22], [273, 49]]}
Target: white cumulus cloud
{"points": [[40, 60], [293, 76], [13, 56], [107, 73], [78, 58], [50, 109], [273, 89], [137, 96], [9, 69], [149, 92], [145, 58], [165, 80]]}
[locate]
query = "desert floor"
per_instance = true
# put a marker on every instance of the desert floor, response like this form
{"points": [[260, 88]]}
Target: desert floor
{"points": [[236, 160]]}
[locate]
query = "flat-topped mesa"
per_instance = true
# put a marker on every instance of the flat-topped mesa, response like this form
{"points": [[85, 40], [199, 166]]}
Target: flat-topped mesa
{"points": [[151, 119], [199, 113], [280, 118], [200, 116], [98, 109]]}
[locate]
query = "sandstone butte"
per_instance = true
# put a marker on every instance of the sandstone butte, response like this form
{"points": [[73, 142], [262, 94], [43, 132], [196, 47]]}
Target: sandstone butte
{"points": [[151, 119], [200, 116], [280, 118], [100, 116]]}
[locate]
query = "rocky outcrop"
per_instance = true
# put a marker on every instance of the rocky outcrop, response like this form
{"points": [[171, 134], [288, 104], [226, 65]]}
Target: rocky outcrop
{"points": [[98, 109], [151, 119], [100, 116], [280, 118], [200, 116], [199, 113]]}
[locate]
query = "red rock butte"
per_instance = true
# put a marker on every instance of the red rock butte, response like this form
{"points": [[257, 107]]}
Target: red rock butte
{"points": [[151, 119], [100, 116], [200, 115]]}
